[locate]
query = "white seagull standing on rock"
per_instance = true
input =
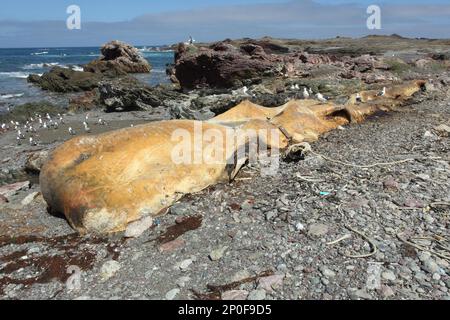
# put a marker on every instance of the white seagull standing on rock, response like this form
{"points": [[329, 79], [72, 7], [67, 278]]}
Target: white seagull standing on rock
{"points": [[321, 98], [32, 142], [306, 94], [71, 131], [86, 127]]}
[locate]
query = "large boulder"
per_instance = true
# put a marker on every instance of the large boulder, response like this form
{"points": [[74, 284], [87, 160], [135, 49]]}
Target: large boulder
{"points": [[224, 66], [119, 58], [65, 80]]}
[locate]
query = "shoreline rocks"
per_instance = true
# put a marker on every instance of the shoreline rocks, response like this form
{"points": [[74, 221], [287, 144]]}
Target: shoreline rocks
{"points": [[119, 58]]}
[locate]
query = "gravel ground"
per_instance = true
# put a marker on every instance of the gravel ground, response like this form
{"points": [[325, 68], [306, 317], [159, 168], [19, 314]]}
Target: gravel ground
{"points": [[264, 237]]}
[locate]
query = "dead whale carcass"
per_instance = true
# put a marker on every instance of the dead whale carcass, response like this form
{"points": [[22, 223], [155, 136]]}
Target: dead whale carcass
{"points": [[102, 183]]}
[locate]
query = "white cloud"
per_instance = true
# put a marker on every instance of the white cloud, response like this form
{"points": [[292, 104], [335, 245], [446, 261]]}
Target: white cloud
{"points": [[299, 19]]}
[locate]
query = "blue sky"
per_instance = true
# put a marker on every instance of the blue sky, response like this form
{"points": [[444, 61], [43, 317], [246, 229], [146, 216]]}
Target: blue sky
{"points": [[27, 23]]}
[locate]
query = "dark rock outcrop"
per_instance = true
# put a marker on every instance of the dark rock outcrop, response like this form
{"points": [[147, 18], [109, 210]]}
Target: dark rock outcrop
{"points": [[119, 58], [128, 94], [65, 80]]}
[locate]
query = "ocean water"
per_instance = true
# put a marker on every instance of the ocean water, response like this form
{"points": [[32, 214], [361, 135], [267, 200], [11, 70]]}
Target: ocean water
{"points": [[17, 64]]}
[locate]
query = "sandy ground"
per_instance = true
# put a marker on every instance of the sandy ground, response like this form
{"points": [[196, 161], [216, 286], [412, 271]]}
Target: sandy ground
{"points": [[265, 237]]}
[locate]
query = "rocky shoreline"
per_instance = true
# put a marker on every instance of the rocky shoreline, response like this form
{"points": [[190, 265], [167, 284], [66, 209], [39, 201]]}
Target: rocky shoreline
{"points": [[273, 242]]}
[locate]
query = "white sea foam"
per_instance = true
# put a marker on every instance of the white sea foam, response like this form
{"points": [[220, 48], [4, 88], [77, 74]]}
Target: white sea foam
{"points": [[39, 53], [33, 66], [15, 74], [10, 95]]}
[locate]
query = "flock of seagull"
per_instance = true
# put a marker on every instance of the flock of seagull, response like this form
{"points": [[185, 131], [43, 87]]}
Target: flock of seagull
{"points": [[48, 123], [308, 94], [38, 122]]}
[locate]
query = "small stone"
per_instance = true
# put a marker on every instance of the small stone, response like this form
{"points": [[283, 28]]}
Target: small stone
{"points": [[181, 282], [257, 295], [235, 295], [436, 276], [11, 189], [386, 292], [299, 227], [36, 160], [270, 283], [390, 184], [388, 275], [29, 198], [430, 266], [137, 228], [172, 294], [109, 269], [413, 203], [217, 254], [327, 272], [184, 265], [428, 134], [3, 199], [271, 215], [282, 268], [360, 294], [171, 246], [443, 130], [179, 209], [317, 230], [240, 275]]}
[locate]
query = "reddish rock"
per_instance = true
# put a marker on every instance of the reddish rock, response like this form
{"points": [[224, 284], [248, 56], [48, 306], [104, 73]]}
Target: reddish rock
{"points": [[270, 283], [225, 66], [390, 184], [413, 203], [171, 246]]}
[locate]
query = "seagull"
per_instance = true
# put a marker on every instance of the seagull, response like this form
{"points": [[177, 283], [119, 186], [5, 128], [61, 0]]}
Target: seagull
{"points": [[3, 126], [45, 125], [71, 131], [101, 122], [382, 93], [310, 91], [358, 98], [305, 93], [297, 87], [86, 127], [87, 117], [48, 116], [18, 141], [32, 142], [245, 89], [20, 135], [320, 97]]}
